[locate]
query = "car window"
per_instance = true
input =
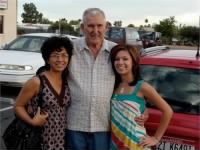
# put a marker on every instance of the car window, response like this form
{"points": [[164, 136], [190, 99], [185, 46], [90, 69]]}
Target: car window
{"points": [[148, 35], [179, 86], [26, 43], [35, 43], [116, 34], [132, 35], [17, 44]]}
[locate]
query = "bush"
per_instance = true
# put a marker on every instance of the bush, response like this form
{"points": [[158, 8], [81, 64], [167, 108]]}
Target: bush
{"points": [[20, 31]]}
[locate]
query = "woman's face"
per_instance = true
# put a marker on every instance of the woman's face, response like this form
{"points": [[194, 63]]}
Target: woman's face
{"points": [[58, 60], [123, 63]]}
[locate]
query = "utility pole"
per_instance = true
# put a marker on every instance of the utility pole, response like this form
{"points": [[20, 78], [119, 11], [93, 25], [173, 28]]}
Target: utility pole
{"points": [[197, 55], [59, 26]]}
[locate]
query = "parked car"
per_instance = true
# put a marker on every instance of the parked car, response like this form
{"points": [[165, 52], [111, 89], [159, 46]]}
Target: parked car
{"points": [[20, 59], [124, 35], [176, 76], [150, 39]]}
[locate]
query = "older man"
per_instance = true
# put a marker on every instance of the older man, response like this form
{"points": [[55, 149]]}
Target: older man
{"points": [[91, 83]]}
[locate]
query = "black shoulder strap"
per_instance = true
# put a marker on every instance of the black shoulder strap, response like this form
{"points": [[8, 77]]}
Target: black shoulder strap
{"points": [[40, 94]]}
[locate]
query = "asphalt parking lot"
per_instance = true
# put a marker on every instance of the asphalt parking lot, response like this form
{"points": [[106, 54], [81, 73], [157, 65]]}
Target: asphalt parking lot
{"points": [[6, 116]]}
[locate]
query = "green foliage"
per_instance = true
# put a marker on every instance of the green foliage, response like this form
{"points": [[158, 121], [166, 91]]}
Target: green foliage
{"points": [[64, 27], [141, 28], [117, 23], [75, 22], [131, 25], [166, 40], [30, 14], [20, 31], [146, 20], [167, 27], [189, 33], [45, 21]]}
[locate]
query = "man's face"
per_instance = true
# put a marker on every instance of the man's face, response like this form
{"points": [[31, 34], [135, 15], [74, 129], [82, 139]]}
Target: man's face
{"points": [[94, 29]]}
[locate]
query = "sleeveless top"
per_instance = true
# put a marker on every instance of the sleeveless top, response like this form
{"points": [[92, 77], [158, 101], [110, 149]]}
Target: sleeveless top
{"points": [[126, 133], [55, 105]]}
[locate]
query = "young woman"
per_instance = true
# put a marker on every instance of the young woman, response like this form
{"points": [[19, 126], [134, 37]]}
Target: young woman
{"points": [[128, 102], [56, 52]]}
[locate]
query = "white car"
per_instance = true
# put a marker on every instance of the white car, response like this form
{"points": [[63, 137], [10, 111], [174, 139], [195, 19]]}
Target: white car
{"points": [[21, 58]]}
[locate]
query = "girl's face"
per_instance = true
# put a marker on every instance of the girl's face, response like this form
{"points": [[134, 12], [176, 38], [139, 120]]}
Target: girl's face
{"points": [[123, 63], [58, 60]]}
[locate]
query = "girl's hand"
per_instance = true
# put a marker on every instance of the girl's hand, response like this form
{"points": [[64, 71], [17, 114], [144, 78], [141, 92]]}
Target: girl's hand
{"points": [[148, 141], [40, 118]]}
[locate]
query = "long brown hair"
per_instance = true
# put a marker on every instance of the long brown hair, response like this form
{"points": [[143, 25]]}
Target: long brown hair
{"points": [[135, 55]]}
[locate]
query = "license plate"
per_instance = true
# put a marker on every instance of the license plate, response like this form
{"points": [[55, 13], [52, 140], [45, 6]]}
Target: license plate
{"points": [[175, 144]]}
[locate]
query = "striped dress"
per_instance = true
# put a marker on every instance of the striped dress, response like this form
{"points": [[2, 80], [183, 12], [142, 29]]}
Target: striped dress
{"points": [[125, 131]]}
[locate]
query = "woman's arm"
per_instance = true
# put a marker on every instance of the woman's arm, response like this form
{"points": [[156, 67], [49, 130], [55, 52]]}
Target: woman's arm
{"points": [[30, 89], [152, 95]]}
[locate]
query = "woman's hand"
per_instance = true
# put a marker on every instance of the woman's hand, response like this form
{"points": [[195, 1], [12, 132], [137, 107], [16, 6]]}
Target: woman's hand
{"points": [[40, 118], [148, 141], [143, 118]]}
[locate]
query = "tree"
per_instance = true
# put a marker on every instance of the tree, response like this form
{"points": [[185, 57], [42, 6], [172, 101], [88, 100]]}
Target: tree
{"points": [[75, 22], [117, 23], [149, 25], [131, 25], [141, 27], [189, 33], [30, 14], [167, 27], [45, 21], [64, 27], [146, 20]]}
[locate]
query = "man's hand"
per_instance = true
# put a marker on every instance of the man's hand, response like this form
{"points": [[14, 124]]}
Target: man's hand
{"points": [[143, 118]]}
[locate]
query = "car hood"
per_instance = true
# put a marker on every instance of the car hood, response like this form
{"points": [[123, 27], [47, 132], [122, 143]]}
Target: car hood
{"points": [[20, 57]]}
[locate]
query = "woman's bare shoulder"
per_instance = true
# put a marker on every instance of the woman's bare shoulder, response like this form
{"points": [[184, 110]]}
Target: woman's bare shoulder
{"points": [[32, 84], [146, 87]]}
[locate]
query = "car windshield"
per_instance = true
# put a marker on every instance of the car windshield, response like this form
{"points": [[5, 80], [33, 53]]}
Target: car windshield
{"points": [[115, 34], [179, 86], [132, 35], [149, 36], [26, 43]]}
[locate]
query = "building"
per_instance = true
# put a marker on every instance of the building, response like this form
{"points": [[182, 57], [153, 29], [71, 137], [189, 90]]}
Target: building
{"points": [[8, 20]]}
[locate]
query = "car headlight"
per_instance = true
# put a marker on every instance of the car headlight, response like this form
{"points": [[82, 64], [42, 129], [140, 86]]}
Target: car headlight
{"points": [[15, 67]]}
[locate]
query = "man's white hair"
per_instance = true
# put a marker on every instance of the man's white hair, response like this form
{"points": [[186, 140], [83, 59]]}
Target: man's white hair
{"points": [[92, 12]]}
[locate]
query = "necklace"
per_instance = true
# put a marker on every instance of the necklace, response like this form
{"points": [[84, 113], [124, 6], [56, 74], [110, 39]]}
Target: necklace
{"points": [[122, 90], [124, 87]]}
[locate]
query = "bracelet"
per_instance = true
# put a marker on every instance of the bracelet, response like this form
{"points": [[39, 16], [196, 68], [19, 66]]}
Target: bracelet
{"points": [[156, 139]]}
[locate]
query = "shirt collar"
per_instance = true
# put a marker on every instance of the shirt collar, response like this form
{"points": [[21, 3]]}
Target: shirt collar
{"points": [[83, 45]]}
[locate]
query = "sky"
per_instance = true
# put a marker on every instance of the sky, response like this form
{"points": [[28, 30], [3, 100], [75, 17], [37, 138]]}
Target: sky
{"points": [[186, 12]]}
